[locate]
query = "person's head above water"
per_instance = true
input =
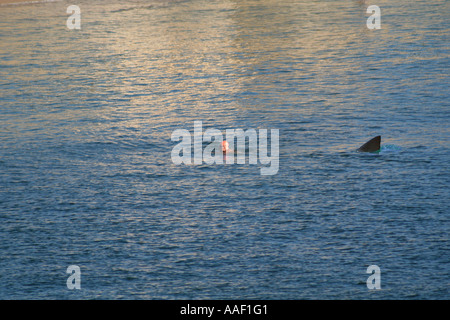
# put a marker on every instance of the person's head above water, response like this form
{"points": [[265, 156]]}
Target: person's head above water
{"points": [[225, 146]]}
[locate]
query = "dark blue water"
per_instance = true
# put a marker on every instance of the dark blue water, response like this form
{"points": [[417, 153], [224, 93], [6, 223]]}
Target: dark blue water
{"points": [[86, 176]]}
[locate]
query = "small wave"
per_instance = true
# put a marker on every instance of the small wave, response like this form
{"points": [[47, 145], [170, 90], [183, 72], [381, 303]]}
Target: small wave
{"points": [[390, 148], [155, 4], [20, 3], [133, 8]]}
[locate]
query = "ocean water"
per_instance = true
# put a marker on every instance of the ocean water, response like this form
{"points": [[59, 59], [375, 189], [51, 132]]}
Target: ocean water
{"points": [[86, 176]]}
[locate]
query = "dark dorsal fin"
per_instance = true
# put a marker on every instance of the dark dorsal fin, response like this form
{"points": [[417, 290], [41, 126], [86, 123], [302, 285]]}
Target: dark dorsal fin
{"points": [[372, 145]]}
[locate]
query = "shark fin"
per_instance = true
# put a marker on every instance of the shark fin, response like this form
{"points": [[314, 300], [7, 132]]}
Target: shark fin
{"points": [[372, 145]]}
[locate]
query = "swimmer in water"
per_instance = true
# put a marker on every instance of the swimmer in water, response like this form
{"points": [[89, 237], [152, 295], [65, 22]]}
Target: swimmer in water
{"points": [[225, 147]]}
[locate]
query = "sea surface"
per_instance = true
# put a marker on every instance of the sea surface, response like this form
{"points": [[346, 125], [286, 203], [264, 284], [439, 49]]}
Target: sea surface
{"points": [[87, 179]]}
